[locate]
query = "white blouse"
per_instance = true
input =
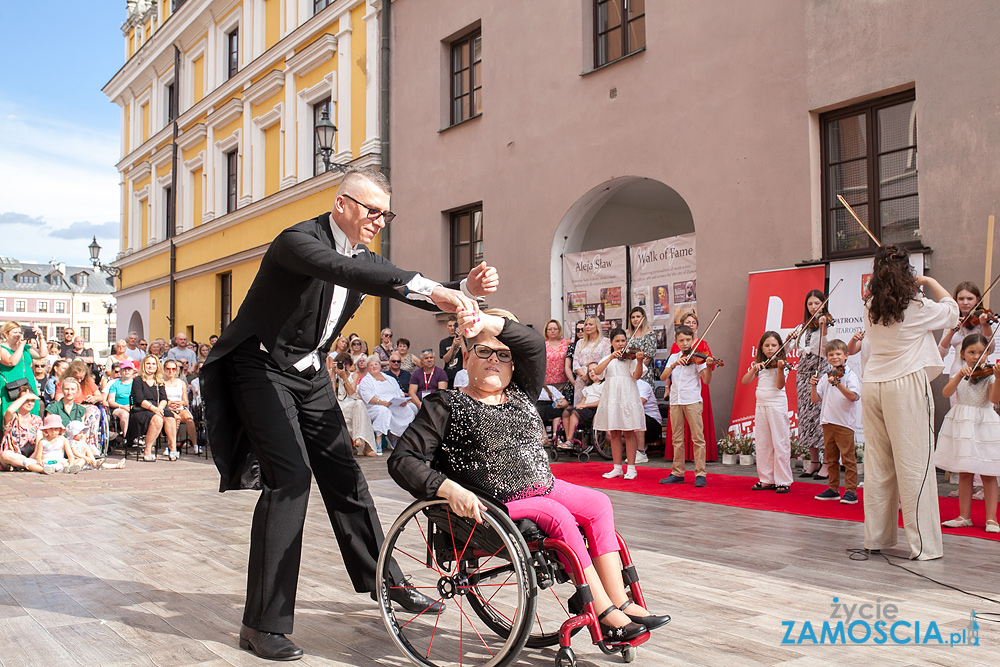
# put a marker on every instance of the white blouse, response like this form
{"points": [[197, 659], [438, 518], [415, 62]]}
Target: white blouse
{"points": [[908, 346]]}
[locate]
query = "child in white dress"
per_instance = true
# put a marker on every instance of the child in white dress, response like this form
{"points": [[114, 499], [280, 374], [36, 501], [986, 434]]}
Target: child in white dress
{"points": [[969, 440], [620, 411], [53, 449], [771, 431]]}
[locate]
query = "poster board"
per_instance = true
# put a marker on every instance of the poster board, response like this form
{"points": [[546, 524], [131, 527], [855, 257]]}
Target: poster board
{"points": [[663, 282], [595, 283]]}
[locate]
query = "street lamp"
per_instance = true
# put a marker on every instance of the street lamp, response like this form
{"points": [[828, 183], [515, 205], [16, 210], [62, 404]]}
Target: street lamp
{"points": [[326, 131], [95, 251]]}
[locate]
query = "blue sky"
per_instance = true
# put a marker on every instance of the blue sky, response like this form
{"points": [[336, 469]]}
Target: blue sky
{"points": [[59, 134]]}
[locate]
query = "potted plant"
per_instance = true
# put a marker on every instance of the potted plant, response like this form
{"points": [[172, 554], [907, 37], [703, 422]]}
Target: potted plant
{"points": [[730, 450], [859, 455], [796, 452], [746, 450]]}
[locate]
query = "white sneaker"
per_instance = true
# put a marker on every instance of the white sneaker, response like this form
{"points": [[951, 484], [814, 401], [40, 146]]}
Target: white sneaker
{"points": [[640, 457], [631, 473], [615, 472]]}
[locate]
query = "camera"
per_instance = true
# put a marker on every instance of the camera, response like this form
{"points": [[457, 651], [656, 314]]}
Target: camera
{"points": [[29, 333], [340, 365]]}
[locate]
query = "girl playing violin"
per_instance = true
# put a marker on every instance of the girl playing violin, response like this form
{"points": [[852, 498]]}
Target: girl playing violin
{"points": [[969, 440], [967, 295], [810, 343], [771, 430], [620, 411]]}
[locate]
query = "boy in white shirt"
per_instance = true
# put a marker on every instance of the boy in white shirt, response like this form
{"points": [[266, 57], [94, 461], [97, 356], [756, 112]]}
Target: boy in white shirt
{"points": [[654, 420], [838, 417], [683, 377]]}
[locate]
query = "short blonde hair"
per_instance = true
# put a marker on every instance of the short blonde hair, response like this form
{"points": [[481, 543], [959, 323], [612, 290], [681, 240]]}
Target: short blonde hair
{"points": [[8, 327], [558, 326]]}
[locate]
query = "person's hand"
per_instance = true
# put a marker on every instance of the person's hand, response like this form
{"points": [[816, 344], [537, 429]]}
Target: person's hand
{"points": [[984, 319], [482, 280], [834, 382], [462, 501], [175, 405], [618, 353], [683, 360], [965, 371], [859, 335], [814, 380], [821, 320], [639, 356], [996, 370], [452, 301], [781, 363], [39, 335], [469, 321], [922, 280]]}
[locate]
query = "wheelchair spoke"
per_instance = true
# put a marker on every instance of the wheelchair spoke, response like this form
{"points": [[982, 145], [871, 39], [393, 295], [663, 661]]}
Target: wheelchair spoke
{"points": [[408, 555], [488, 559], [472, 625], [429, 550], [487, 604], [433, 632], [421, 613]]}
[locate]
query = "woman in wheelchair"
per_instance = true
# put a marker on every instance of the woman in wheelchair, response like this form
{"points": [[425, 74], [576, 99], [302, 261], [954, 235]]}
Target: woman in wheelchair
{"points": [[489, 436]]}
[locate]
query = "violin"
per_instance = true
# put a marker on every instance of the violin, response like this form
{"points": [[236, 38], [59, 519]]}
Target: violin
{"points": [[830, 321], [983, 371], [773, 363], [972, 319], [701, 358], [629, 354], [835, 373]]}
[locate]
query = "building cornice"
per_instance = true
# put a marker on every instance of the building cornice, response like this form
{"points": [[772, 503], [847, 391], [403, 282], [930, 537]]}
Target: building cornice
{"points": [[225, 114], [265, 87], [314, 55], [191, 136]]}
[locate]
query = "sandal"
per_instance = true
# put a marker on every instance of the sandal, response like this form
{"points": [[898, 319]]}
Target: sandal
{"points": [[173, 456], [149, 458], [782, 488], [622, 634], [760, 486], [992, 526]]}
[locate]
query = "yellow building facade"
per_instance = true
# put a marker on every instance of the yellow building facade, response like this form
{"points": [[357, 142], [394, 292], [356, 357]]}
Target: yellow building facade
{"points": [[218, 101]]}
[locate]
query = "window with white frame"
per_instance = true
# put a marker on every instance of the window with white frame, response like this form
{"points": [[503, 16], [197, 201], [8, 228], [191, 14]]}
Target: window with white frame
{"points": [[85, 334], [232, 53], [60, 306], [85, 307], [20, 306], [42, 306], [3, 305]]}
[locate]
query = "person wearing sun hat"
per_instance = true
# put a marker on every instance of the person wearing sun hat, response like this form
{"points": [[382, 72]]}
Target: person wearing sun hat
{"points": [[53, 448]]}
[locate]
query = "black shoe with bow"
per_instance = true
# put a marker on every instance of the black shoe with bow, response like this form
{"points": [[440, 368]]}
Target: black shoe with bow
{"points": [[622, 634], [269, 645], [651, 621], [411, 599]]}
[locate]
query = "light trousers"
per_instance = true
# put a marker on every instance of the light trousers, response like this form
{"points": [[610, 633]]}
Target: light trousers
{"points": [[899, 443], [773, 445], [692, 413]]}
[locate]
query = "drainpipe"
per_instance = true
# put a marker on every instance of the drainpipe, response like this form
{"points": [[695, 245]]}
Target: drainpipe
{"points": [[172, 217], [385, 27]]}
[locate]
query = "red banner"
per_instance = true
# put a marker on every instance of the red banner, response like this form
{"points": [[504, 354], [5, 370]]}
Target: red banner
{"points": [[775, 300]]}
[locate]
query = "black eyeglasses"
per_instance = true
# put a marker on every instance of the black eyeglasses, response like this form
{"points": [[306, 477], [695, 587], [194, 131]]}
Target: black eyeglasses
{"points": [[374, 213], [484, 352]]}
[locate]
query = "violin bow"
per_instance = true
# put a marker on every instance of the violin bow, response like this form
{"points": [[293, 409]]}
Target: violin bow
{"points": [[855, 216], [797, 330], [985, 292], [694, 348], [986, 352], [632, 337]]}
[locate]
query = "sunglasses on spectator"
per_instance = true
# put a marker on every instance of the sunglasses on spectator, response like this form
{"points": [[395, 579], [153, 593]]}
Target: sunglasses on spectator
{"points": [[373, 213], [395, 361], [485, 352], [356, 342]]}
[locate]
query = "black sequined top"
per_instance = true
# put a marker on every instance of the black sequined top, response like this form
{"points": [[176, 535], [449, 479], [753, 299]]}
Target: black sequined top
{"points": [[494, 448]]}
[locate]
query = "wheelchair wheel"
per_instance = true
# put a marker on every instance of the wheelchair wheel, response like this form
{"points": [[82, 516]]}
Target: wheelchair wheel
{"points": [[602, 444], [467, 566]]}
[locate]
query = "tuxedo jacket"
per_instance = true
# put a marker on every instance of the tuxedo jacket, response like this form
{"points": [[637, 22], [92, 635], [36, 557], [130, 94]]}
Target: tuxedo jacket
{"points": [[287, 308]]}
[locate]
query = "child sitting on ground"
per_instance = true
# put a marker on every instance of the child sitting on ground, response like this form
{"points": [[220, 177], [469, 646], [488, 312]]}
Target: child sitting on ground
{"points": [[53, 450], [76, 433]]}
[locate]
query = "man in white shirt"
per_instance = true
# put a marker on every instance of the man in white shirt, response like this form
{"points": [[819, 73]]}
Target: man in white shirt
{"points": [[269, 401], [683, 377], [132, 350]]}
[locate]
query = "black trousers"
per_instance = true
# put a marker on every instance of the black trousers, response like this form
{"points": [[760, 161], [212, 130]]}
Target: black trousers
{"points": [[296, 429]]}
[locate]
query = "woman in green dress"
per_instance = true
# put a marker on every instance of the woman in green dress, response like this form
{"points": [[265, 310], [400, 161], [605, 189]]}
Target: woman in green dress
{"points": [[15, 360]]}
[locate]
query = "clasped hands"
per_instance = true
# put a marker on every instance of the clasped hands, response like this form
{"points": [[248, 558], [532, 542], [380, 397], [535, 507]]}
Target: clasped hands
{"points": [[482, 280]]}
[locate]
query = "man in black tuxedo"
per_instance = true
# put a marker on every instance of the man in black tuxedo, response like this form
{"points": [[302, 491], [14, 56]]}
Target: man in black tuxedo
{"points": [[269, 400]]}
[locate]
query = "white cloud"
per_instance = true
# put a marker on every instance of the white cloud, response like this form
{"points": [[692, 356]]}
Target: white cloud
{"points": [[60, 173]]}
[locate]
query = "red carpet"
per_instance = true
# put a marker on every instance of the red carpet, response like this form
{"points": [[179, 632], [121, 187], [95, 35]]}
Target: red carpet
{"points": [[734, 490]]}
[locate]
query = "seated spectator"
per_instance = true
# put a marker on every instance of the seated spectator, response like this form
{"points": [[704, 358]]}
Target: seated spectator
{"points": [[90, 396], [384, 348], [409, 361], [181, 350], [118, 355], [111, 374], [586, 407], [53, 449], [66, 406], [177, 401], [360, 369], [21, 430], [203, 350], [53, 354], [132, 349], [143, 345], [118, 396], [51, 384], [378, 392], [80, 351], [358, 349], [149, 408], [654, 420], [40, 371], [76, 433], [427, 379], [402, 377], [156, 350], [551, 403], [359, 424]]}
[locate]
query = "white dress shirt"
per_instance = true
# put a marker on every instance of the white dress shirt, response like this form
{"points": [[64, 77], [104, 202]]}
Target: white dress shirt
{"points": [[905, 347], [837, 409], [685, 382]]}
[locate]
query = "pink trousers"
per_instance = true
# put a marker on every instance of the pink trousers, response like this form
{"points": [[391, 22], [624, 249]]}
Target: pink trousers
{"points": [[567, 509]]}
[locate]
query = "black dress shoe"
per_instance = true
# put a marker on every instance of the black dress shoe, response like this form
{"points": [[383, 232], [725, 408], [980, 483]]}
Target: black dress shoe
{"points": [[411, 599], [622, 634], [651, 622], [268, 645]]}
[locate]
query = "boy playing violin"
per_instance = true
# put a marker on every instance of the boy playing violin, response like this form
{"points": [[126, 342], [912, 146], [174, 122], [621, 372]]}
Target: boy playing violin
{"points": [[839, 390], [683, 376]]}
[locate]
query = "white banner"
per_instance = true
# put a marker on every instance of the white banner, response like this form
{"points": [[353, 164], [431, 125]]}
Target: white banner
{"points": [[664, 283], [594, 283]]}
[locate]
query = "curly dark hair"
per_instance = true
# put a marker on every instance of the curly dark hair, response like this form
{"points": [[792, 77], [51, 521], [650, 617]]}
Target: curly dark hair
{"points": [[893, 286]]}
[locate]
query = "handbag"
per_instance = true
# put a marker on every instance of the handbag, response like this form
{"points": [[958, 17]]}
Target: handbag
{"points": [[13, 388]]}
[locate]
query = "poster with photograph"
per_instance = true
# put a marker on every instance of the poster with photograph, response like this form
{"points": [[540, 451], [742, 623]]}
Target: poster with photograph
{"points": [[666, 268], [608, 325], [640, 298], [594, 283]]}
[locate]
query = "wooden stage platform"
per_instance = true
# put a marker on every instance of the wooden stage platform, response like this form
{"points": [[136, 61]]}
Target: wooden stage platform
{"points": [[146, 566]]}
